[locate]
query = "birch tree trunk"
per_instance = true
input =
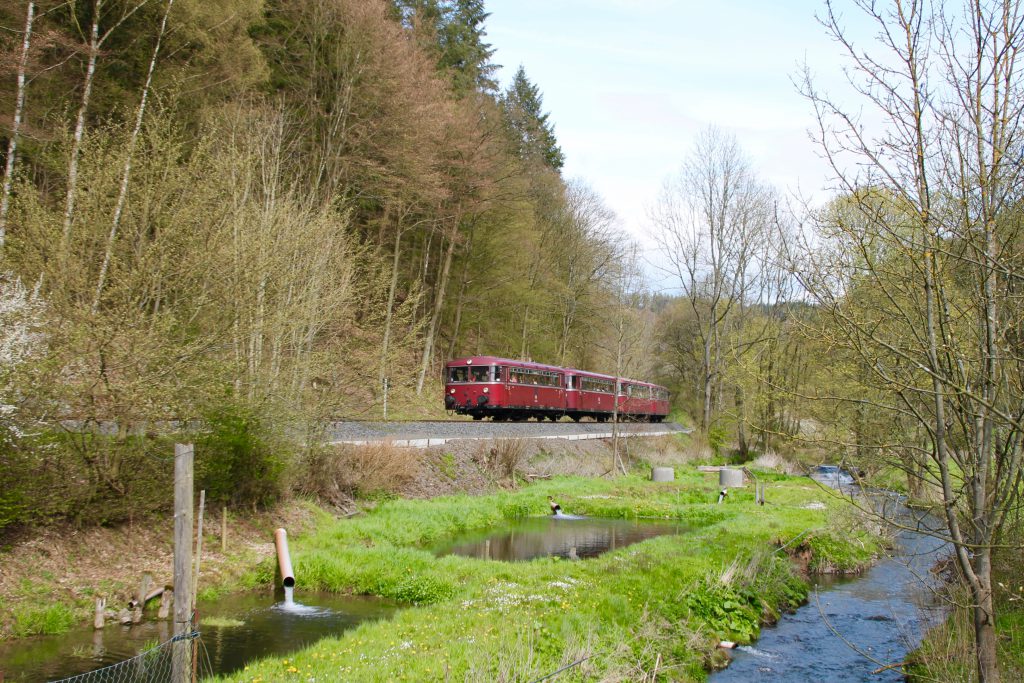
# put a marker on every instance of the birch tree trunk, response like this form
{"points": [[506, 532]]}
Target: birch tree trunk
{"points": [[19, 106], [435, 318], [95, 42], [389, 314], [122, 195]]}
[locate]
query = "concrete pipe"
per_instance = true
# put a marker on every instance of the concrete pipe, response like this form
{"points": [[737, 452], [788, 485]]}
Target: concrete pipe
{"points": [[284, 560], [728, 478], [663, 474]]}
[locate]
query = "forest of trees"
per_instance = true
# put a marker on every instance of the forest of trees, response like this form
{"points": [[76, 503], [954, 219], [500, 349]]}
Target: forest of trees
{"points": [[259, 214], [255, 215]]}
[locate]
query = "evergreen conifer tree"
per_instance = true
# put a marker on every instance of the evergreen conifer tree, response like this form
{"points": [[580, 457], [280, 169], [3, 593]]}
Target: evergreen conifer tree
{"points": [[454, 29], [532, 133]]}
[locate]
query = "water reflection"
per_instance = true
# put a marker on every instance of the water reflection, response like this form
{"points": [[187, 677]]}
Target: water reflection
{"points": [[248, 627], [565, 536]]}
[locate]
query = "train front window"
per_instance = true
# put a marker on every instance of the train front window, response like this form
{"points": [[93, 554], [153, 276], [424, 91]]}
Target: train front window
{"points": [[479, 374], [495, 373], [458, 374]]}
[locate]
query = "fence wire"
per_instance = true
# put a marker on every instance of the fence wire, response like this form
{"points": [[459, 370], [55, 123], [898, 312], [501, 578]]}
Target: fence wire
{"points": [[152, 666]]}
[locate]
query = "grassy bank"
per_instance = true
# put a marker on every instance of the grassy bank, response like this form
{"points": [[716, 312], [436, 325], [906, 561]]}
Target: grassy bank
{"points": [[947, 653], [663, 604]]}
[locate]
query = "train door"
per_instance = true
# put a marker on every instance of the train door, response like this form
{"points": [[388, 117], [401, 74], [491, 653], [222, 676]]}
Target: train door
{"points": [[571, 394]]}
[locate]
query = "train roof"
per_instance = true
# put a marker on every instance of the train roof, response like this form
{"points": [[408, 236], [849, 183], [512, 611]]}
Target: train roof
{"points": [[495, 360]]}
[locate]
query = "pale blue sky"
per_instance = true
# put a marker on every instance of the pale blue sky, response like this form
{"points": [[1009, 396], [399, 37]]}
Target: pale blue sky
{"points": [[629, 84]]}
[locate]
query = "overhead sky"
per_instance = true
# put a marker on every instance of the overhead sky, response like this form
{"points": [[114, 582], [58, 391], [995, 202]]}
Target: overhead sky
{"points": [[629, 83]]}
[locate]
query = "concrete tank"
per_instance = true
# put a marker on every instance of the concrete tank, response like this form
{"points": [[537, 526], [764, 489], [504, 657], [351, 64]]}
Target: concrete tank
{"points": [[663, 474], [728, 478]]}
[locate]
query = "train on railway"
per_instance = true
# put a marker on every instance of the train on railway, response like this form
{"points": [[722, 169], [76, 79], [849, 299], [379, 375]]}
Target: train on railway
{"points": [[504, 389]]}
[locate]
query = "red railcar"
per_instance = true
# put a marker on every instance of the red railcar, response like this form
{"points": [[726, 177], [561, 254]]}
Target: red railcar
{"points": [[505, 389]]}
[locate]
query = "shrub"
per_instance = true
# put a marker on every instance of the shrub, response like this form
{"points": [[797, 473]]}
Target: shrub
{"points": [[85, 477], [237, 458], [366, 471], [717, 437], [508, 456]]}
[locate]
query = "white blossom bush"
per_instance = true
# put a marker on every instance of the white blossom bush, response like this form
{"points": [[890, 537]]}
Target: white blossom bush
{"points": [[21, 314]]}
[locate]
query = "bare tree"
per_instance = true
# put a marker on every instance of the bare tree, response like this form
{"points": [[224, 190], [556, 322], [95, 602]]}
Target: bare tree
{"points": [[586, 251], [626, 340], [921, 270], [709, 221]]}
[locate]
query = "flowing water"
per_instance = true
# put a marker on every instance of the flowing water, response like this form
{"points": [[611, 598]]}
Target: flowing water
{"points": [[562, 535], [852, 627], [248, 627]]}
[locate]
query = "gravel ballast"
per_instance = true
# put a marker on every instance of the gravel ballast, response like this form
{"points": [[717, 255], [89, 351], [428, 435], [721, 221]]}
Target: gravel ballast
{"points": [[438, 432]]}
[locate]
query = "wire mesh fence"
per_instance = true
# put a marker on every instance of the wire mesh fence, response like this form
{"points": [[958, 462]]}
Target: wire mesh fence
{"points": [[155, 665]]}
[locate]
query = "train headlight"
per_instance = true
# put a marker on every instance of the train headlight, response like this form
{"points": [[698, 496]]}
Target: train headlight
{"points": [[452, 391], [487, 390]]}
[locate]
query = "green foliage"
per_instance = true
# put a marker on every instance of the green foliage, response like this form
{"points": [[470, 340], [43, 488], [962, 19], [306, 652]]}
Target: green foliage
{"points": [[237, 460], [42, 620], [454, 31], [843, 553], [717, 438], [447, 465], [729, 614], [87, 477], [13, 506]]}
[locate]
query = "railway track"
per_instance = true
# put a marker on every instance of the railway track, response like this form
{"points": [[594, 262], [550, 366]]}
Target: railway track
{"points": [[424, 433]]}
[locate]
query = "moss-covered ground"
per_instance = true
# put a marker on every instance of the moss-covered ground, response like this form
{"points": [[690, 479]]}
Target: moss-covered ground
{"points": [[661, 605]]}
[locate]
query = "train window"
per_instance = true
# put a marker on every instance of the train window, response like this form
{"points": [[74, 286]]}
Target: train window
{"points": [[594, 384], [479, 373], [496, 373], [458, 374]]}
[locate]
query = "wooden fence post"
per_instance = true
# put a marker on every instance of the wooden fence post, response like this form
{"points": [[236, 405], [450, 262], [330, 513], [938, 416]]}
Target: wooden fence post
{"points": [[99, 616], [140, 598], [181, 659], [199, 548]]}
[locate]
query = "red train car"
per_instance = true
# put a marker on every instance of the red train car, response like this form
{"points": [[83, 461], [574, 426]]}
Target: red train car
{"points": [[506, 389]]}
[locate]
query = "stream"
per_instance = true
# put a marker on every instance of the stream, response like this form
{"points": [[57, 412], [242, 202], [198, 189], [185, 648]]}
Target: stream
{"points": [[852, 627]]}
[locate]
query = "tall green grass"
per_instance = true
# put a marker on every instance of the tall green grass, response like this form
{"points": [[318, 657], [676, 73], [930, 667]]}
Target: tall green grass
{"points": [[42, 620]]}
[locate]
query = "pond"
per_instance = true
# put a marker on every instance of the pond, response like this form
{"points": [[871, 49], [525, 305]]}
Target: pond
{"points": [[566, 536], [266, 628]]}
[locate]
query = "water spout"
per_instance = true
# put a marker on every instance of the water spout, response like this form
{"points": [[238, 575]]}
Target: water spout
{"points": [[284, 560]]}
